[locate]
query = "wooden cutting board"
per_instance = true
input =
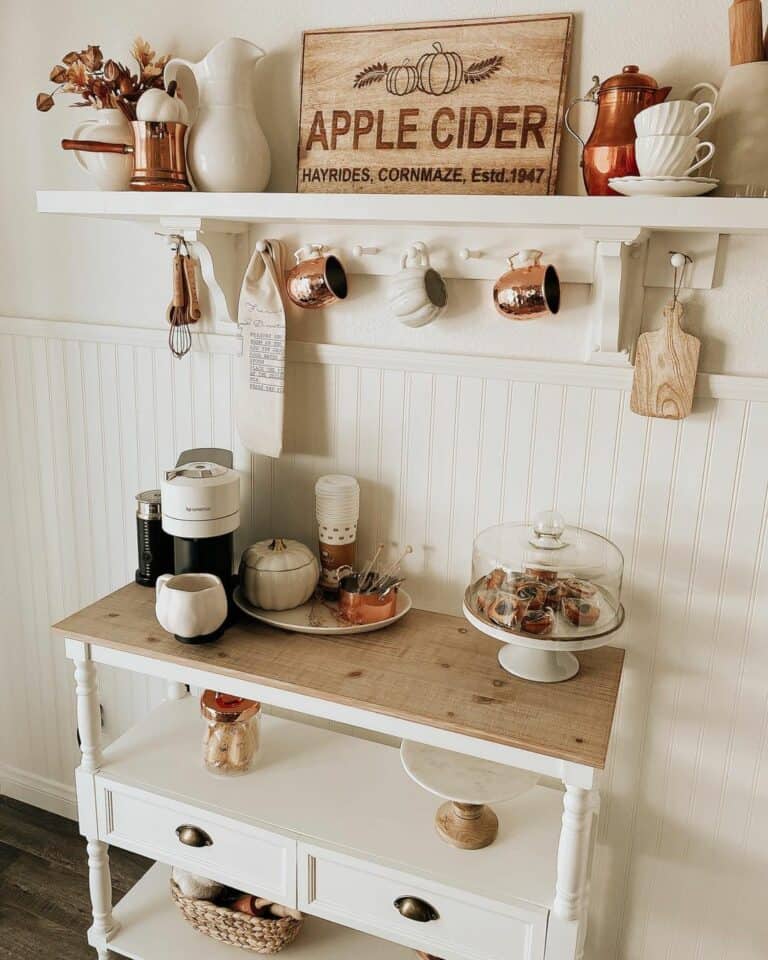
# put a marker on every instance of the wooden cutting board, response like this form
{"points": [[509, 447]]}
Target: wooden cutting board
{"points": [[665, 369]]}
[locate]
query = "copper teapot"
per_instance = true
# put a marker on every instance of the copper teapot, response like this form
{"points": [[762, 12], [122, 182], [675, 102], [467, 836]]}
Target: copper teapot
{"points": [[610, 149]]}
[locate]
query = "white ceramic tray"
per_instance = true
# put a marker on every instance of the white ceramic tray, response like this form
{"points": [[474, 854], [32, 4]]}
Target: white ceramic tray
{"points": [[319, 616]]}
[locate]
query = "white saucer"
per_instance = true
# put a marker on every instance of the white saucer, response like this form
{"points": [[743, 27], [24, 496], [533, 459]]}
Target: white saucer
{"points": [[662, 186], [318, 617]]}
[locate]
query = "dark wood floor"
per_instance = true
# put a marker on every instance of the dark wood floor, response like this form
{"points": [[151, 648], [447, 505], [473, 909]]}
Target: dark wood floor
{"points": [[44, 905]]}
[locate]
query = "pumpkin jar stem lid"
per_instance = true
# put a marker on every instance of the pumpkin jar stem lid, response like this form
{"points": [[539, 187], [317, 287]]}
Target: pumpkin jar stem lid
{"points": [[278, 545], [225, 708]]}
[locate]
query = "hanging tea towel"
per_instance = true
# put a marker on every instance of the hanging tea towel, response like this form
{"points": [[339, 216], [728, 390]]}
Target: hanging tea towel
{"points": [[260, 385]]}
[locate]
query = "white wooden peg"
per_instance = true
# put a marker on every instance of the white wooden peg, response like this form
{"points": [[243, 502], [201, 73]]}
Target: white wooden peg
{"points": [[261, 246], [678, 260], [466, 254], [358, 251]]}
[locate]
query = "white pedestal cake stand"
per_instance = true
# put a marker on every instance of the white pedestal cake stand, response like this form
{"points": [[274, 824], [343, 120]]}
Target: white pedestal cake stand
{"points": [[536, 658], [467, 784]]}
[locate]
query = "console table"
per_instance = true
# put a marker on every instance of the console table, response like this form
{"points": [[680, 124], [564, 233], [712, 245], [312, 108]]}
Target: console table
{"points": [[328, 822]]}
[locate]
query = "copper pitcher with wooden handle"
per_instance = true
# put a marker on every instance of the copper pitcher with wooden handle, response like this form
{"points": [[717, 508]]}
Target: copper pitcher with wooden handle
{"points": [[159, 161], [610, 148]]}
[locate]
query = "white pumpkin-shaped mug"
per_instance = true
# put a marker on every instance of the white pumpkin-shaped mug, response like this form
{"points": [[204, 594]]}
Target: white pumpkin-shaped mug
{"points": [[278, 574], [417, 294], [191, 606]]}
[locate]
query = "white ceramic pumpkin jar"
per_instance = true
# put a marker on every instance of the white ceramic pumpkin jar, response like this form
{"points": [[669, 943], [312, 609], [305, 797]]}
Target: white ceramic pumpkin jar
{"points": [[278, 574]]}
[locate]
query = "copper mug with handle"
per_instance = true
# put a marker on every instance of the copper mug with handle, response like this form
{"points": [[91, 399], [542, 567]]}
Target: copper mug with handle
{"points": [[529, 289], [316, 279], [159, 161]]}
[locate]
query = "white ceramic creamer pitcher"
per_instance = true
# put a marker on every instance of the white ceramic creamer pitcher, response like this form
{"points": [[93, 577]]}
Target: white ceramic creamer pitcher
{"points": [[227, 150], [191, 606]]}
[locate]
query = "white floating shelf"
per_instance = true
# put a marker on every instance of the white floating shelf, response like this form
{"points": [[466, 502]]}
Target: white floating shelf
{"points": [[709, 214], [153, 928]]}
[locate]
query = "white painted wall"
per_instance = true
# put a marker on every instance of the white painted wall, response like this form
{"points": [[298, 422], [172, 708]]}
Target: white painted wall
{"points": [[89, 417]]}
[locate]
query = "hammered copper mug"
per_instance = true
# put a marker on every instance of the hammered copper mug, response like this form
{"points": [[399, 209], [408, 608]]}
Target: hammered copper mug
{"points": [[316, 279], [528, 290]]}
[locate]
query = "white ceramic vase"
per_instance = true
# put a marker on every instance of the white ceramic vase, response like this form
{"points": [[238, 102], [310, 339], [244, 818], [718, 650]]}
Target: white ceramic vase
{"points": [[741, 131], [227, 151], [109, 171], [192, 606]]}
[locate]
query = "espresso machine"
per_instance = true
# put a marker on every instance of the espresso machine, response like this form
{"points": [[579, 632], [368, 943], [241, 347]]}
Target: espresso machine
{"points": [[201, 511]]}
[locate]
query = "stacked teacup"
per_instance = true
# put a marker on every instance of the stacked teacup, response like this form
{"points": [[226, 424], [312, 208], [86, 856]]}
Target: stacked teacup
{"points": [[667, 142], [337, 507]]}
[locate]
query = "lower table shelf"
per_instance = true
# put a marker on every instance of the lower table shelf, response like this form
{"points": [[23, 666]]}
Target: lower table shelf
{"points": [[152, 928]]}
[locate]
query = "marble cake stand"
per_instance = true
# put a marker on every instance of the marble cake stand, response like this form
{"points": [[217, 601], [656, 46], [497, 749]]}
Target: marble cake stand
{"points": [[467, 784]]}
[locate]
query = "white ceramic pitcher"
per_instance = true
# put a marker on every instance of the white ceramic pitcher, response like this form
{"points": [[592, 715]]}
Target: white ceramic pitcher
{"points": [[227, 150]]}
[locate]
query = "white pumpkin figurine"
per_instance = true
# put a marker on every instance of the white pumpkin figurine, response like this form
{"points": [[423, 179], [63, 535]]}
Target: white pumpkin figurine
{"points": [[278, 574], [162, 106]]}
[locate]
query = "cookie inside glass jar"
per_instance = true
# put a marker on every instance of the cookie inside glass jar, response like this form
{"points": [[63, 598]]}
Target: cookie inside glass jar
{"points": [[232, 732]]}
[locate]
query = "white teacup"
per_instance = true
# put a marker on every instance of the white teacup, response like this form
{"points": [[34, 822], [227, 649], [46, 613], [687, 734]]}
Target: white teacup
{"points": [[685, 118], [191, 606], [417, 294], [667, 155]]}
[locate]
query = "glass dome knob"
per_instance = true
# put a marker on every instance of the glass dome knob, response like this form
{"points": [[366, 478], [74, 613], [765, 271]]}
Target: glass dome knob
{"points": [[548, 528]]}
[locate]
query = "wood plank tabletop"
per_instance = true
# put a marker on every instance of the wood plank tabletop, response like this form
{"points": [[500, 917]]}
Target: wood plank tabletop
{"points": [[427, 668]]}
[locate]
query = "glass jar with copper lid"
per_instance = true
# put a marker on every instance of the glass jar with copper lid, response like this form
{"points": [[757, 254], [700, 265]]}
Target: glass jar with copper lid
{"points": [[232, 732]]}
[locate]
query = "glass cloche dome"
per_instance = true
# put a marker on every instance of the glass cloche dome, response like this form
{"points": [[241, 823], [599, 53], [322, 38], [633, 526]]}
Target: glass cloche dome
{"points": [[546, 580]]}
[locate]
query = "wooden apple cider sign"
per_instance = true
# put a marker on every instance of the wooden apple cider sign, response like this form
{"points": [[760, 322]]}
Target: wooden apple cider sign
{"points": [[466, 106]]}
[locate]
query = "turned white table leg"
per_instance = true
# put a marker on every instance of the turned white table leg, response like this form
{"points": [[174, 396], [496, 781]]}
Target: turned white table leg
{"points": [[100, 886], [99, 879], [88, 713], [573, 852], [175, 690]]}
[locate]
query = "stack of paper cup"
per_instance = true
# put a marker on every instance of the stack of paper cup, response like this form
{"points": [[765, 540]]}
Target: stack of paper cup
{"points": [[337, 507]]}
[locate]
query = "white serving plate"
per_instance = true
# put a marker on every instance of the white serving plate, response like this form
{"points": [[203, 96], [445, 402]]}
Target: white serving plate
{"points": [[662, 186], [319, 617]]}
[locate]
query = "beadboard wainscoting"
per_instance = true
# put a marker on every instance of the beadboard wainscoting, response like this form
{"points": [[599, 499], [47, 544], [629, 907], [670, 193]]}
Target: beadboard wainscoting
{"points": [[443, 446]]}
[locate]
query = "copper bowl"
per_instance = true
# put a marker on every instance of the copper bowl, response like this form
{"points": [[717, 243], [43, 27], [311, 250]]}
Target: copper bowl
{"points": [[359, 608], [316, 281]]}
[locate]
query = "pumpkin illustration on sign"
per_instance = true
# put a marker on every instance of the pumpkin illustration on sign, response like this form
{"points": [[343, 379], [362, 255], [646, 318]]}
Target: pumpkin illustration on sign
{"points": [[437, 73], [402, 79]]}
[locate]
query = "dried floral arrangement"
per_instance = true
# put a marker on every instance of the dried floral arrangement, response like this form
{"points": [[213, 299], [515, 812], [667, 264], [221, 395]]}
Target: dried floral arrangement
{"points": [[104, 83]]}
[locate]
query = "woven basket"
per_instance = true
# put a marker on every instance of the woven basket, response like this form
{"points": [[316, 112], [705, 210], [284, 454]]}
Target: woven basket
{"points": [[259, 934]]}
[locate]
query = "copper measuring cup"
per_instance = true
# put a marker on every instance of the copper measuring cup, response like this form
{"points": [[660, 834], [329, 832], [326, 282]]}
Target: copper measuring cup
{"points": [[316, 279], [530, 289], [159, 160]]}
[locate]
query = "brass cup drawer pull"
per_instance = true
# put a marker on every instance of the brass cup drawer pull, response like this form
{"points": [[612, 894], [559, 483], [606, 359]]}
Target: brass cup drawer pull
{"points": [[414, 909], [193, 836]]}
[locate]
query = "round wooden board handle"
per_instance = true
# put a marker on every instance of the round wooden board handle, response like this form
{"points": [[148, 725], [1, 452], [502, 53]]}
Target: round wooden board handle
{"points": [[745, 19]]}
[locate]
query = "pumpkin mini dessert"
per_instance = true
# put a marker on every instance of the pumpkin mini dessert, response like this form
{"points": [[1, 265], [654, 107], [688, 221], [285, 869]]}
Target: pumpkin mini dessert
{"points": [[538, 621], [556, 593], [531, 593], [582, 589], [541, 573], [503, 610], [581, 613]]}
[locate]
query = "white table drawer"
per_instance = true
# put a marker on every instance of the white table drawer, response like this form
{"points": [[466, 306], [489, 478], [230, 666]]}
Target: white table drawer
{"points": [[362, 895], [242, 856]]}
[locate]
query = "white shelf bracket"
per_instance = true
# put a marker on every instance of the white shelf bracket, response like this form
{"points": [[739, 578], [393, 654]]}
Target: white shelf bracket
{"points": [[190, 229], [610, 297]]}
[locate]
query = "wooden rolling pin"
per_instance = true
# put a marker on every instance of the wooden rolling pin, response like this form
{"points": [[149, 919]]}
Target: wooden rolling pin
{"points": [[745, 20]]}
